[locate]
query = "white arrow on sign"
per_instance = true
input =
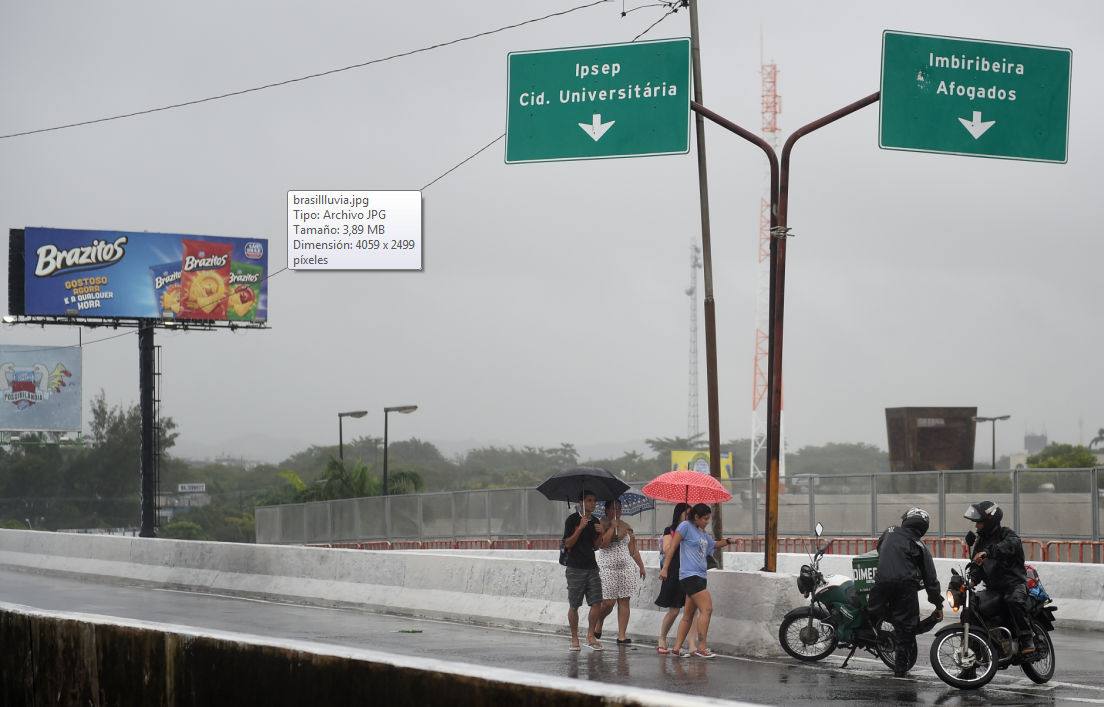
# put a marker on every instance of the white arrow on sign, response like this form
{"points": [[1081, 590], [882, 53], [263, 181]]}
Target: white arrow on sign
{"points": [[976, 127], [597, 128]]}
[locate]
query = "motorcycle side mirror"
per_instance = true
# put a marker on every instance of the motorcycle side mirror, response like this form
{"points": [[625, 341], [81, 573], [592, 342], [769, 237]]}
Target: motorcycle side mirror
{"points": [[971, 538], [819, 530], [954, 572]]}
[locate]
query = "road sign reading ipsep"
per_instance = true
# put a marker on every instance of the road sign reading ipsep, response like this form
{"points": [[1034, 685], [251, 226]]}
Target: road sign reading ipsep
{"points": [[615, 100], [972, 97]]}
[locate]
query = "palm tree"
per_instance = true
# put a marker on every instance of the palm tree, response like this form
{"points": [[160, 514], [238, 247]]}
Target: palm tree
{"points": [[338, 481], [1098, 438]]}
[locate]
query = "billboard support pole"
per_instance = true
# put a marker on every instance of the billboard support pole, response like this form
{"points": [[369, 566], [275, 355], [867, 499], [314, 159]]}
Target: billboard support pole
{"points": [[146, 383]]}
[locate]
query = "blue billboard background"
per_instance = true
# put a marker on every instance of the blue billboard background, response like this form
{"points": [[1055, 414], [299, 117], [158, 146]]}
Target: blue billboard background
{"points": [[115, 273]]}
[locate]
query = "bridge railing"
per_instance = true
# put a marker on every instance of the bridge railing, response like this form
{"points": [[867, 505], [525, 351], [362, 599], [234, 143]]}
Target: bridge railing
{"points": [[1045, 505]]}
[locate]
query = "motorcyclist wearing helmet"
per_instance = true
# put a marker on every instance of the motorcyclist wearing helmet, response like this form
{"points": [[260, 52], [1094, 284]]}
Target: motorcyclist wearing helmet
{"points": [[999, 553], [901, 552]]}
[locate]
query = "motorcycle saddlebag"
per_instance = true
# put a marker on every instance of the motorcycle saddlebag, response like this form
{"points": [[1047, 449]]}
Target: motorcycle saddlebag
{"points": [[806, 580]]}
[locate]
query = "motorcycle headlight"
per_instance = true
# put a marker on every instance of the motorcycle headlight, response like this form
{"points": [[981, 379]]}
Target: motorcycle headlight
{"points": [[952, 599]]}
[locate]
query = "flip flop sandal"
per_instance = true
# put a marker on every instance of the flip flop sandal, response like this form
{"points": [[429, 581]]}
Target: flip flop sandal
{"points": [[594, 646], [624, 642], [574, 649], [662, 650]]}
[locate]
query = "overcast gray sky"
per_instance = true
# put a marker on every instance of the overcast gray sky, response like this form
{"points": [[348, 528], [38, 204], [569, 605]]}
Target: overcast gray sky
{"points": [[551, 308]]}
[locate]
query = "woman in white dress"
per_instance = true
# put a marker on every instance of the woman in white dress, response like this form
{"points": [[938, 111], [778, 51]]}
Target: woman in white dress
{"points": [[619, 565]]}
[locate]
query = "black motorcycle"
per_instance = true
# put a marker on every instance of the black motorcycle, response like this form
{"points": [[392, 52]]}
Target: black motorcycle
{"points": [[967, 656]]}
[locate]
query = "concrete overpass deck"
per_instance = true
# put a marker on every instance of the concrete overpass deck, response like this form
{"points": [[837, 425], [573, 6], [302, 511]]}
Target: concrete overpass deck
{"points": [[773, 681]]}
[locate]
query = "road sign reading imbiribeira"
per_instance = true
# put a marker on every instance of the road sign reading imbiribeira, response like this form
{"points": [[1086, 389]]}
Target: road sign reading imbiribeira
{"points": [[614, 100], [973, 97]]}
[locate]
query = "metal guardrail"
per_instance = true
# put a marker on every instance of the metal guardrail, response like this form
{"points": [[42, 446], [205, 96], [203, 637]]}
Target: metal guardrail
{"points": [[1043, 504], [1086, 550]]}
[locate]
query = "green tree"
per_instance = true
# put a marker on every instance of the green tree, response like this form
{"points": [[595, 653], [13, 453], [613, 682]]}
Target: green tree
{"points": [[838, 458], [183, 530], [1098, 438], [1062, 456], [663, 446]]}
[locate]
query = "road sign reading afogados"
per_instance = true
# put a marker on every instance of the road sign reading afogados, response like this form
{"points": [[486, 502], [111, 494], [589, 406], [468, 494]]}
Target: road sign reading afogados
{"points": [[614, 100], [973, 97]]}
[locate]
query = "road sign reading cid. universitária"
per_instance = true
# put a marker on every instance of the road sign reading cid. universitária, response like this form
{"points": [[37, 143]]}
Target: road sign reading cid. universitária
{"points": [[972, 97], [615, 100]]}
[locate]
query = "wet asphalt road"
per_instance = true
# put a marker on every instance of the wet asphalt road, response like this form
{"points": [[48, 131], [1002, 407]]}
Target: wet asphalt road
{"points": [[1079, 679]]}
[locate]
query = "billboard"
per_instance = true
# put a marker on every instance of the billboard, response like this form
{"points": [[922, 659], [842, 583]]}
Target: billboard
{"points": [[931, 438], [138, 275], [40, 388], [699, 461]]}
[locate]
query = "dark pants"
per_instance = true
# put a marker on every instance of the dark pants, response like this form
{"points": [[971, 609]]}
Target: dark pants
{"points": [[900, 605], [1015, 598]]}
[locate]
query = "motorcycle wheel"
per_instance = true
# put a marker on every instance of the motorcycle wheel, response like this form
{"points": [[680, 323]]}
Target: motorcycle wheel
{"points": [[789, 635], [1041, 667], [889, 657], [943, 660]]}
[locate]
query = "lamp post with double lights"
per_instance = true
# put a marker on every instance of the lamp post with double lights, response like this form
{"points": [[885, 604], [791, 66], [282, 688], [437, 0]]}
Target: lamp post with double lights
{"points": [[340, 432], [994, 421], [406, 410]]}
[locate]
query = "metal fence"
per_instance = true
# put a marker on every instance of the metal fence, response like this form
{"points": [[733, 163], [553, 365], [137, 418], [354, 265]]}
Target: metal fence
{"points": [[1038, 503]]}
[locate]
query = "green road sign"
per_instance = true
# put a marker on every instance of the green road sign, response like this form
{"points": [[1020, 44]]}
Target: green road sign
{"points": [[614, 100], [971, 97]]}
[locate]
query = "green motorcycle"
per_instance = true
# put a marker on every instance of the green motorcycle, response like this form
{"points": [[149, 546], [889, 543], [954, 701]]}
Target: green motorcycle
{"points": [[836, 617]]}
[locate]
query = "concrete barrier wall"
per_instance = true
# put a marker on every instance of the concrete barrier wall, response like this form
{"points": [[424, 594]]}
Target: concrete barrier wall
{"points": [[523, 589], [504, 591], [57, 658]]}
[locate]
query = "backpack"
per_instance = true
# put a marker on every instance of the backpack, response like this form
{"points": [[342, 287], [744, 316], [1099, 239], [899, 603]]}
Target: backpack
{"points": [[1035, 585]]}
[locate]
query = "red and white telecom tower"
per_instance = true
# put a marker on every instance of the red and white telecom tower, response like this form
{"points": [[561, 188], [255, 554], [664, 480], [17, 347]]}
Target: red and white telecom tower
{"points": [[772, 106]]}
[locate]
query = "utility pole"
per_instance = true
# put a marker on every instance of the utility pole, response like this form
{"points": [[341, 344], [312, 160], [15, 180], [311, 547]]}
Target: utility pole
{"points": [[707, 272]]}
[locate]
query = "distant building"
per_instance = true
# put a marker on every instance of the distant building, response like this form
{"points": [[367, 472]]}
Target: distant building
{"points": [[1034, 443], [241, 462], [931, 439], [187, 496]]}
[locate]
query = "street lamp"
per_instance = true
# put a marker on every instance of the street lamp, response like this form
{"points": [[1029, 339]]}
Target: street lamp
{"points": [[340, 432], [406, 410], [994, 421]]}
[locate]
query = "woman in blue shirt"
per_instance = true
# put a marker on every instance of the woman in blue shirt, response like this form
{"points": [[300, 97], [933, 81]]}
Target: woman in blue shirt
{"points": [[694, 546]]}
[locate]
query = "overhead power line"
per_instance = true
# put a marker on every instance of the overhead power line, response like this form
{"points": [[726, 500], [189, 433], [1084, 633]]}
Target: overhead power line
{"points": [[303, 78]]}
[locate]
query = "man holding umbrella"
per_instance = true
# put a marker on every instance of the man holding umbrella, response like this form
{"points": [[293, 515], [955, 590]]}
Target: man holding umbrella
{"points": [[582, 536]]}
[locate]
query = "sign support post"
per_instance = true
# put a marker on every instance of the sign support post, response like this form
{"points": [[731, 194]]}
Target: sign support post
{"points": [[780, 181], [712, 394]]}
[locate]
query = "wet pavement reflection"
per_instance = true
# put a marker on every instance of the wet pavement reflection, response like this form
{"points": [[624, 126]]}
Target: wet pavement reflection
{"points": [[865, 682]]}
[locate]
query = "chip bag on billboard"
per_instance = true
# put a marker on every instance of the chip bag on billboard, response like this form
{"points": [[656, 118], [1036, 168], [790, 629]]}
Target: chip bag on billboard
{"points": [[205, 279], [245, 291], [166, 287]]}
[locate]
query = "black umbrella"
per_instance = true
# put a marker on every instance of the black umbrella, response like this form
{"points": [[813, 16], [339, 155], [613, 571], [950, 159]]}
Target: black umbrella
{"points": [[566, 485]]}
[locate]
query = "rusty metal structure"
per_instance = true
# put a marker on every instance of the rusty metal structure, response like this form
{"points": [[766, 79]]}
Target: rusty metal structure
{"points": [[931, 438]]}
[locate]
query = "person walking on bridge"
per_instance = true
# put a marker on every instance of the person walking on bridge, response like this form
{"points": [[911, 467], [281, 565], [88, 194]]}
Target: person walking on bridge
{"points": [[582, 536], [695, 546]]}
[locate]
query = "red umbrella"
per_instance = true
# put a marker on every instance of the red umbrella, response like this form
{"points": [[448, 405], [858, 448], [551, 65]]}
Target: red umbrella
{"points": [[685, 486]]}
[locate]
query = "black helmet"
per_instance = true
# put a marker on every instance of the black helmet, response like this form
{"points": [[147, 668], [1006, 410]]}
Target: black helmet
{"points": [[985, 512], [916, 518]]}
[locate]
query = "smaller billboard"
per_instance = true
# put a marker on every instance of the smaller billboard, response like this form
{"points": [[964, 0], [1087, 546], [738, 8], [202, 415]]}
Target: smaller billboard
{"points": [[40, 389], [76, 273], [699, 461]]}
